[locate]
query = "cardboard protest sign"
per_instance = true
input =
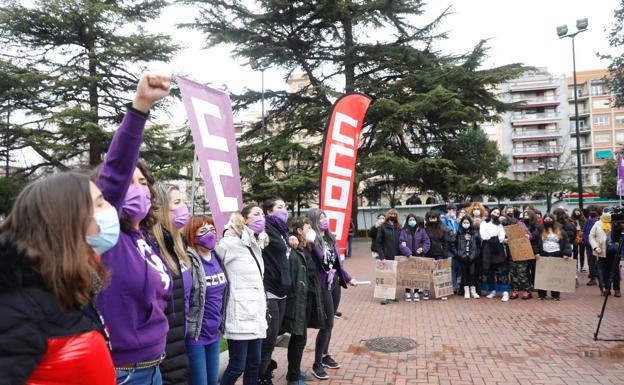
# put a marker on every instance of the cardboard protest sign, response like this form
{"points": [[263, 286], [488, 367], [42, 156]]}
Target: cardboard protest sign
{"points": [[519, 245], [385, 279], [442, 277], [558, 274], [414, 272]]}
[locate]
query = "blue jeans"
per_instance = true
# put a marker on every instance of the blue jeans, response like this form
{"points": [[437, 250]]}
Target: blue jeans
{"points": [[455, 271], [148, 376], [244, 358], [203, 363]]}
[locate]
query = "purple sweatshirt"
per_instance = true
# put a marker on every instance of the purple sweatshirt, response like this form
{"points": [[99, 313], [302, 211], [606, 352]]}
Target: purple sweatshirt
{"points": [[339, 269], [420, 237], [133, 303]]}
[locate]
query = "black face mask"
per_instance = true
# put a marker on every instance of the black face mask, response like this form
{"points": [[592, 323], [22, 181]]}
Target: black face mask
{"points": [[495, 219], [548, 224], [526, 221], [432, 223]]}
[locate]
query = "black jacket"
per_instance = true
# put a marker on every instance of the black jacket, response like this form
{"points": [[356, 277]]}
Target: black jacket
{"points": [[276, 270], [387, 241], [570, 229], [467, 248], [296, 301], [372, 234], [175, 366], [538, 243], [440, 243], [31, 319]]}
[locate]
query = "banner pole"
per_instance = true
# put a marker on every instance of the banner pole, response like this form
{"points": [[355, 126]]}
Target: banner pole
{"points": [[193, 189]]}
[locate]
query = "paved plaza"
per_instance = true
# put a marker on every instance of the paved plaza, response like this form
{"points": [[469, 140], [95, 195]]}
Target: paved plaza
{"points": [[461, 342]]}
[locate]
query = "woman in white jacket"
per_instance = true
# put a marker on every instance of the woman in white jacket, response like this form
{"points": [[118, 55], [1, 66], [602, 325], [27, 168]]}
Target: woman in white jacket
{"points": [[245, 309], [599, 239]]}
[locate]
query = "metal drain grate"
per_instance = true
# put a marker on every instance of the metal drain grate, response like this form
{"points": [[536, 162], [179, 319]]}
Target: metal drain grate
{"points": [[391, 344]]}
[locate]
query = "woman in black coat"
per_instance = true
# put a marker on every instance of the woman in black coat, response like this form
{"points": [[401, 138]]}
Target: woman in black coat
{"points": [[467, 249], [387, 240]]}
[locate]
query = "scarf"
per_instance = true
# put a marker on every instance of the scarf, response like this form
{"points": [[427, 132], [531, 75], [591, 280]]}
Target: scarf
{"points": [[606, 224], [281, 226]]}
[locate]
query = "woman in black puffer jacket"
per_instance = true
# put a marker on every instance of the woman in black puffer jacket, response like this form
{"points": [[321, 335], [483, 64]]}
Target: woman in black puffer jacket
{"points": [[467, 248]]}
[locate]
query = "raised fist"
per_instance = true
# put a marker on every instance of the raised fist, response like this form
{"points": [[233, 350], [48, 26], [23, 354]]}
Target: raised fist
{"points": [[151, 88]]}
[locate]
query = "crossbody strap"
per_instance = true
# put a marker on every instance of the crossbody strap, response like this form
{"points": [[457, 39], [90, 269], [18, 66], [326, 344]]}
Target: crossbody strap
{"points": [[256, 260]]}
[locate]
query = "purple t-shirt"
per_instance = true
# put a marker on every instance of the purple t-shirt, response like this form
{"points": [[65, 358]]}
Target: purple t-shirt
{"points": [[187, 281], [215, 286]]}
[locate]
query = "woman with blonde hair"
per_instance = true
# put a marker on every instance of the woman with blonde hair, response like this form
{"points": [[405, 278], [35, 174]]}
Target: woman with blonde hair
{"points": [[477, 210], [172, 216]]}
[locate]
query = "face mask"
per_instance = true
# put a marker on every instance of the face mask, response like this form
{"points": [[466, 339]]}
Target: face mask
{"points": [[257, 224], [476, 212], [381, 219], [451, 214], [526, 220], [310, 236], [466, 225], [207, 240], [606, 215], [137, 202], [181, 216], [281, 214], [108, 222], [411, 223], [324, 224], [548, 223], [431, 223]]}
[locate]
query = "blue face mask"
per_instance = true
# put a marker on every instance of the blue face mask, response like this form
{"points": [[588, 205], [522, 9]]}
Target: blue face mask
{"points": [[108, 222], [411, 223]]}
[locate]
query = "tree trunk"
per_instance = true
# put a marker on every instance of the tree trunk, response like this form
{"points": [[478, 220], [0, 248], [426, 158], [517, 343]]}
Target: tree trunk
{"points": [[95, 144], [349, 62]]}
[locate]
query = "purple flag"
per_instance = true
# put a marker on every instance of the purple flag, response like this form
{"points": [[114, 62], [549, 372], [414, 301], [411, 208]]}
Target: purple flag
{"points": [[210, 115], [620, 172]]}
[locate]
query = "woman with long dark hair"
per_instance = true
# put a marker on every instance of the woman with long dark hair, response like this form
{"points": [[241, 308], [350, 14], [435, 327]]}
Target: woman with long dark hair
{"points": [[140, 284], [467, 249], [413, 241], [387, 241], [50, 274], [332, 273], [494, 260], [550, 240], [440, 240]]}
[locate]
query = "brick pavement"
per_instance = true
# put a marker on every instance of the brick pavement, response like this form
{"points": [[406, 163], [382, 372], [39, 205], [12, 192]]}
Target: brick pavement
{"points": [[480, 342]]}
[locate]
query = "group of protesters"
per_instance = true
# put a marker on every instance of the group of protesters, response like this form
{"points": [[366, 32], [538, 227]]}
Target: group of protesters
{"points": [[475, 239], [106, 278]]}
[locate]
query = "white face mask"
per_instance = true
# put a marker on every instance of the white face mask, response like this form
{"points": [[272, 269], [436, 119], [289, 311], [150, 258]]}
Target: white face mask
{"points": [[310, 236]]}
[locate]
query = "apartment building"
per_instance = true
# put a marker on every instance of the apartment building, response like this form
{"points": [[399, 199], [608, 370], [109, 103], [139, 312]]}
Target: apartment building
{"points": [[535, 134], [601, 127]]}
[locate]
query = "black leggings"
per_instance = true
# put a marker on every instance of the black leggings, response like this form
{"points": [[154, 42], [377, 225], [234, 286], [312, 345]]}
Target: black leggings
{"points": [[578, 251], [469, 273], [277, 309], [324, 335], [296, 345]]}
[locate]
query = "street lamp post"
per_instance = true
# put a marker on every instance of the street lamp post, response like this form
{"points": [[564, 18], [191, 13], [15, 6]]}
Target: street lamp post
{"points": [[562, 31]]}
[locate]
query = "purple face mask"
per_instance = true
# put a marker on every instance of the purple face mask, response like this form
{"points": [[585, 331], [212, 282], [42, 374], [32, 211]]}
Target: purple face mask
{"points": [[324, 224], [207, 240], [281, 214], [181, 216], [257, 224], [138, 202]]}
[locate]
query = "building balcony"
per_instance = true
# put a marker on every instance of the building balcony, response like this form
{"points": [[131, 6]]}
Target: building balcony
{"points": [[582, 130], [535, 134], [533, 119], [525, 168], [537, 86], [581, 96], [537, 152], [541, 101], [583, 113], [584, 146]]}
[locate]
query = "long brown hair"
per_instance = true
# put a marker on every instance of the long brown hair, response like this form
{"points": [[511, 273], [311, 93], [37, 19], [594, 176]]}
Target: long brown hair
{"points": [[48, 225], [556, 228], [164, 222], [394, 212]]}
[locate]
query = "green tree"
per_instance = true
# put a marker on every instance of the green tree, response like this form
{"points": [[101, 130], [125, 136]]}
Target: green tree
{"points": [[423, 98], [507, 188], [549, 183], [616, 68], [608, 179], [9, 189], [90, 52]]}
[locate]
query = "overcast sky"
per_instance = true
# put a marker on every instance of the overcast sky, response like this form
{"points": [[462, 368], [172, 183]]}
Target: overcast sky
{"points": [[518, 31]]}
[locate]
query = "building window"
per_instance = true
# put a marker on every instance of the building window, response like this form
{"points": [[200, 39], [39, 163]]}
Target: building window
{"points": [[597, 89], [619, 138], [603, 138], [619, 119], [601, 121]]}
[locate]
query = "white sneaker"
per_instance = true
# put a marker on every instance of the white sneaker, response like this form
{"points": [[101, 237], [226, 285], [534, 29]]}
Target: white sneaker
{"points": [[492, 294], [505, 296], [473, 291], [408, 297], [466, 292], [416, 296], [444, 298]]}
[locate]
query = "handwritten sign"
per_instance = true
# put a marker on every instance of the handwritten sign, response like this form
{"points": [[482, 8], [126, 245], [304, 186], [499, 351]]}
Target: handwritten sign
{"points": [[414, 272], [385, 279], [557, 274], [442, 277], [519, 245]]}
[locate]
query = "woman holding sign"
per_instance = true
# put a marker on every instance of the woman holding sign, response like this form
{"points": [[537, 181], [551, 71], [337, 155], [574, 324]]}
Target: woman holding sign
{"points": [[134, 301], [440, 238], [332, 274], [387, 241], [551, 241], [413, 241], [494, 260]]}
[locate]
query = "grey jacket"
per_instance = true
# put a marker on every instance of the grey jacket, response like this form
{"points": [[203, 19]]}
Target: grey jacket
{"points": [[198, 296]]}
